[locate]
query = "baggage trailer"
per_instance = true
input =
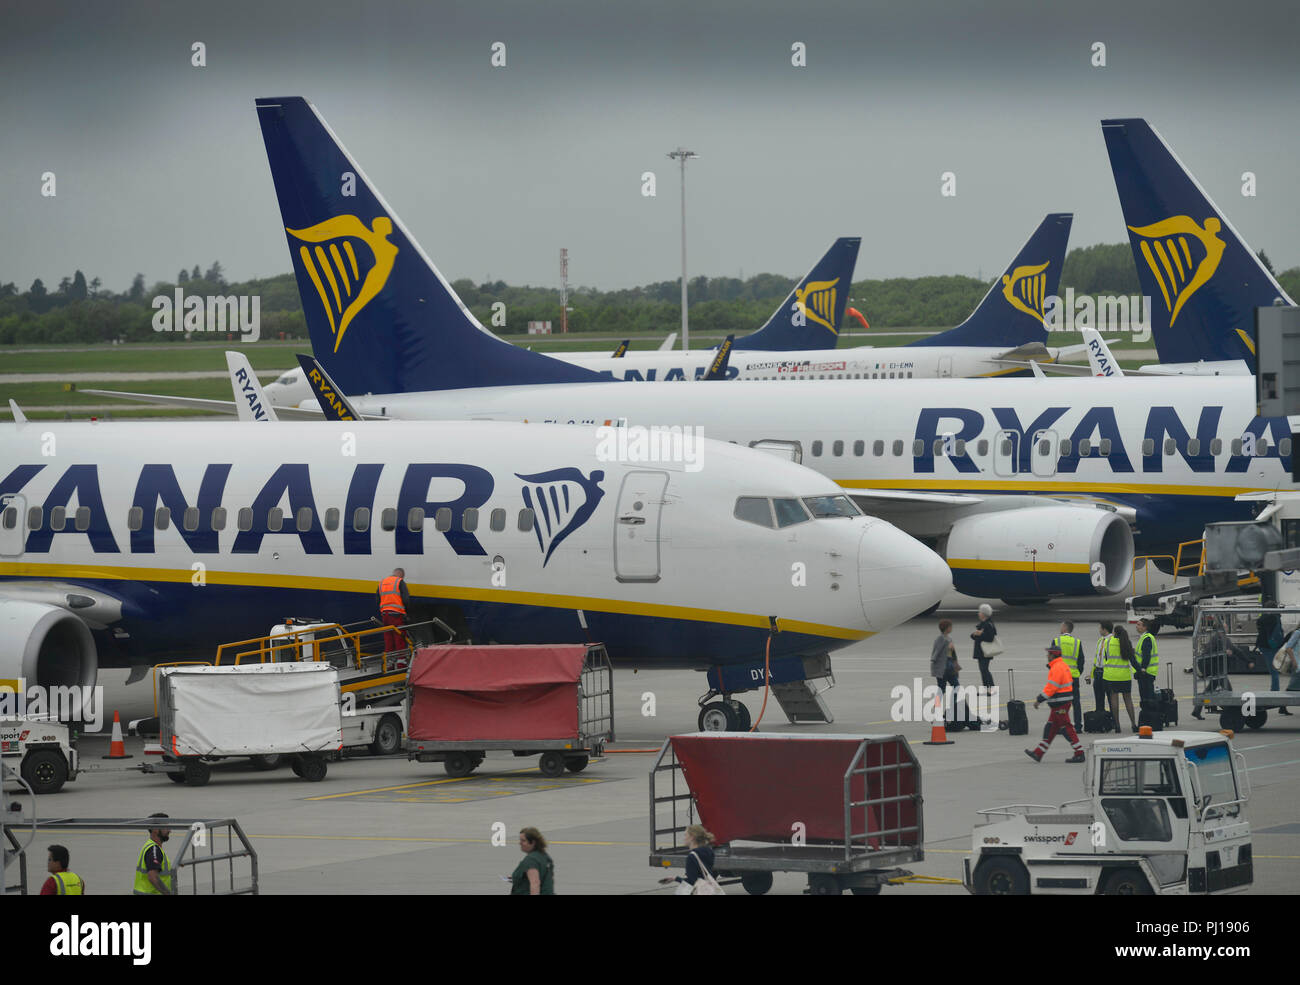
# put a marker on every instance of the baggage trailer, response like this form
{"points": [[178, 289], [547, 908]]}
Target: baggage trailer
{"points": [[1215, 636], [259, 711], [555, 702], [1165, 815], [845, 809]]}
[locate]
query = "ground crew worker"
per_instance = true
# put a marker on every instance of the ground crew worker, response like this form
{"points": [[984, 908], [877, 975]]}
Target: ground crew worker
{"points": [[61, 882], [1098, 682], [1148, 663], [394, 600], [1057, 693], [1117, 669], [153, 869], [1071, 648]]}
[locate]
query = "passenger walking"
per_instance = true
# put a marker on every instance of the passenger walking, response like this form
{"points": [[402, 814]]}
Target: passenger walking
{"points": [[394, 600], [985, 632], [1117, 669], [61, 882], [1106, 628], [1057, 693], [153, 869], [699, 863], [943, 657], [1071, 648], [535, 875]]}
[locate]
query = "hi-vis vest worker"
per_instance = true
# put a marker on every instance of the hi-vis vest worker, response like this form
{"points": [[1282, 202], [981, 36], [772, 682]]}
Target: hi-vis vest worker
{"points": [[1059, 689], [1153, 664], [143, 885], [390, 595], [1071, 648], [1116, 668], [67, 883]]}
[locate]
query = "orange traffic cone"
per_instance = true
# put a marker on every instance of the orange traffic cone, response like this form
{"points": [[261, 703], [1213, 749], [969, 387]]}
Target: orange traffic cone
{"points": [[116, 747], [938, 734]]}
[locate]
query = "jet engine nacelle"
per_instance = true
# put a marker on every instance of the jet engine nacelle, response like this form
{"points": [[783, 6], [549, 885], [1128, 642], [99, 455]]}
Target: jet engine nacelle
{"points": [[45, 645], [1040, 551]]}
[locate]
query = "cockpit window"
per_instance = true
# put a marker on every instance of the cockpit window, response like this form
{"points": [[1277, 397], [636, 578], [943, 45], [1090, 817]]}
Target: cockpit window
{"points": [[789, 511], [288, 378], [754, 509], [823, 506]]}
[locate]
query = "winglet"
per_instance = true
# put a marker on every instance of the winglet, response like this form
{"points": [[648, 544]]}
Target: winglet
{"points": [[333, 404], [621, 350], [1099, 357], [19, 416], [250, 401], [718, 368]]}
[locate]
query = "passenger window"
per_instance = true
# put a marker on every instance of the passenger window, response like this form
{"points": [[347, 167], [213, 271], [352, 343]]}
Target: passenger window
{"points": [[190, 518], [11, 518], [959, 448], [134, 519], [1148, 446], [1105, 447], [1284, 447], [1261, 447], [58, 518], [35, 515], [303, 519], [1065, 447], [918, 448], [388, 519], [82, 519], [498, 520], [469, 520], [754, 509], [837, 449], [877, 448], [898, 447], [1006, 446], [332, 518], [442, 519], [816, 448], [938, 447], [361, 519], [1044, 447], [162, 518], [415, 518], [274, 520], [1193, 446], [245, 519], [1085, 447], [1216, 446], [982, 448], [1171, 446], [789, 512], [219, 518], [859, 447], [1236, 446], [525, 521]]}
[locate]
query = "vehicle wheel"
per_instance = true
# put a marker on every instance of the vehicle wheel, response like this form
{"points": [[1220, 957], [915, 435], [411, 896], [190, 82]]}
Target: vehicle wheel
{"points": [[821, 884], [176, 777], [551, 763], [267, 762], [866, 890], [1126, 882], [388, 736], [45, 771], [1001, 877], [576, 764], [717, 716], [756, 883], [1231, 718], [197, 773], [1258, 719], [314, 769], [295, 764], [743, 720], [458, 764]]}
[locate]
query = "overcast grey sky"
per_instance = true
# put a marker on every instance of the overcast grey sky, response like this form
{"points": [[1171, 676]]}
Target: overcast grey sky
{"points": [[160, 165]]}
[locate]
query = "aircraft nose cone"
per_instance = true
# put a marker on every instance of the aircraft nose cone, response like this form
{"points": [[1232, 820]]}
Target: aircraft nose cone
{"points": [[899, 576]]}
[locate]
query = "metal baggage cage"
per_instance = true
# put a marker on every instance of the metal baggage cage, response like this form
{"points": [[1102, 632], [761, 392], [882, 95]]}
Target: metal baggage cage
{"points": [[1218, 630], [862, 861]]}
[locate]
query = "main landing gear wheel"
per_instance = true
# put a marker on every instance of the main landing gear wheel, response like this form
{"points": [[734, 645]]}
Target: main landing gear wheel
{"points": [[718, 716], [551, 764]]}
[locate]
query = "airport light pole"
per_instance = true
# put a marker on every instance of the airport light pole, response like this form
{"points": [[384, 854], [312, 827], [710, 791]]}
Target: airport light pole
{"points": [[682, 154]]}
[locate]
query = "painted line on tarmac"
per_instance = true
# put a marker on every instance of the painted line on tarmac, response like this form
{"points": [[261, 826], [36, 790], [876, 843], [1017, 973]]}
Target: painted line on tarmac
{"points": [[412, 786]]}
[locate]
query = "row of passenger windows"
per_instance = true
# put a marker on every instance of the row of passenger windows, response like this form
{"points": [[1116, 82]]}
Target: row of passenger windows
{"points": [[778, 513], [1087, 447], [899, 375], [276, 520]]}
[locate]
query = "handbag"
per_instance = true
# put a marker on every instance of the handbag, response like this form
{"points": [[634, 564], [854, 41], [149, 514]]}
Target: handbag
{"points": [[993, 648], [705, 885], [1284, 661]]}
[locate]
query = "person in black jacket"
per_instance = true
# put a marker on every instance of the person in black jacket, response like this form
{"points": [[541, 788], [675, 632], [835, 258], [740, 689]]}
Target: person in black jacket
{"points": [[985, 632], [1268, 640], [699, 844]]}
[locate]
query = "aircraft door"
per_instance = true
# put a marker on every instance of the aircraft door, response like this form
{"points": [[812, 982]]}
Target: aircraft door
{"points": [[13, 525], [945, 367], [636, 526], [1042, 455], [790, 450], [1005, 452]]}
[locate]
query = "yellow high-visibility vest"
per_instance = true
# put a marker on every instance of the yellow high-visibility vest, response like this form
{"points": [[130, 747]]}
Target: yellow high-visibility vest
{"points": [[1115, 667], [68, 884], [1154, 665], [143, 885], [1071, 648]]}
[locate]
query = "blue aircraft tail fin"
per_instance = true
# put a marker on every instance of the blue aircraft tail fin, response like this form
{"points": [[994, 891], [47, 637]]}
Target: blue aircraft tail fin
{"points": [[1203, 280], [810, 317], [382, 318], [1011, 313]]}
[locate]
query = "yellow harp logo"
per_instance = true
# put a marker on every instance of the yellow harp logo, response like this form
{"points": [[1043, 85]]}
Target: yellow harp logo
{"points": [[1165, 249], [816, 300], [331, 263], [1025, 289]]}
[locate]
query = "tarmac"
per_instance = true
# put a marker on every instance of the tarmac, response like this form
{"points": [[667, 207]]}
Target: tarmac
{"points": [[386, 825]]}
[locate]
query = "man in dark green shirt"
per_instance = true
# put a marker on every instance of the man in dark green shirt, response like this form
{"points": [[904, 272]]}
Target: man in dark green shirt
{"points": [[535, 874]]}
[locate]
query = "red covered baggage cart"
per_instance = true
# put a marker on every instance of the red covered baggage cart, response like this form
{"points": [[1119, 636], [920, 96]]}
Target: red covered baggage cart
{"points": [[553, 701], [846, 809]]}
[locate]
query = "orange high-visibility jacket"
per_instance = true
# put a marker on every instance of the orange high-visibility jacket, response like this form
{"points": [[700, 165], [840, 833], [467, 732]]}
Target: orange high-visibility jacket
{"points": [[1060, 684], [390, 595]]}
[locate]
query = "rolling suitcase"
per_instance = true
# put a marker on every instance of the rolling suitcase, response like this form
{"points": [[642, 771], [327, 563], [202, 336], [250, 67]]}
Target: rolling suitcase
{"points": [[1017, 719], [1098, 721], [1168, 706], [1151, 713]]}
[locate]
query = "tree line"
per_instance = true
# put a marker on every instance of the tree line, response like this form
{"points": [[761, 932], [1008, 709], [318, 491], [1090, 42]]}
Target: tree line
{"points": [[80, 311]]}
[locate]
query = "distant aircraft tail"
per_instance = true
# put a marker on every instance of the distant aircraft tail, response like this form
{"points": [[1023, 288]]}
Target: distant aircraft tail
{"points": [[382, 318], [1011, 313], [1203, 280], [810, 317]]}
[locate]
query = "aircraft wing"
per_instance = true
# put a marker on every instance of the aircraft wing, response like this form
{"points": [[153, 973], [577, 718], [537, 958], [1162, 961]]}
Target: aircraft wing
{"points": [[214, 406]]}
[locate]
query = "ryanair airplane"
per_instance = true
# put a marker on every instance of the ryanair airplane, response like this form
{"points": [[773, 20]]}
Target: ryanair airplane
{"points": [[125, 544], [1203, 280], [1028, 488]]}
